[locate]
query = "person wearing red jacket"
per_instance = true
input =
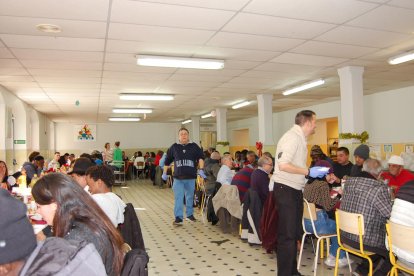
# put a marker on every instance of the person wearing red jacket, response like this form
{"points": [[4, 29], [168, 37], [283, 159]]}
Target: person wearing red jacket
{"points": [[397, 176]]}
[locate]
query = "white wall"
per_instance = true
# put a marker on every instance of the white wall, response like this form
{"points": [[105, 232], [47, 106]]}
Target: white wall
{"points": [[388, 117], [131, 136]]}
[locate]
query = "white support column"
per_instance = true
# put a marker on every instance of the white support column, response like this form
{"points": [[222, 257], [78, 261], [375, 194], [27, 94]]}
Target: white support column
{"points": [[264, 103], [352, 99], [221, 121], [195, 134]]}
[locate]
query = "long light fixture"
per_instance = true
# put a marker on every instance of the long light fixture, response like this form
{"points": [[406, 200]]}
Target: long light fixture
{"points": [[304, 87], [208, 115], [186, 122], [145, 97], [132, 110], [124, 119], [242, 104], [401, 58], [179, 62]]}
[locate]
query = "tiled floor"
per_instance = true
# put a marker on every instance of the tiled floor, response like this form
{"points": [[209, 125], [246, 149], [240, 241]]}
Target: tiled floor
{"points": [[198, 248]]}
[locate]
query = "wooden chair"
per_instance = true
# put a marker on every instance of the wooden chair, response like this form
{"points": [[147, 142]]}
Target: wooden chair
{"points": [[400, 236], [353, 224], [309, 212], [140, 169]]}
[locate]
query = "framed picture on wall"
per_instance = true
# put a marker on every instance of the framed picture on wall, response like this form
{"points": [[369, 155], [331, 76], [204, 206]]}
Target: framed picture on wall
{"points": [[387, 148], [409, 148], [84, 133]]}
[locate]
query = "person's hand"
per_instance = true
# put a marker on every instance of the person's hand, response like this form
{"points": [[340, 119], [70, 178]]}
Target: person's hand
{"points": [[318, 172], [164, 176], [202, 173]]}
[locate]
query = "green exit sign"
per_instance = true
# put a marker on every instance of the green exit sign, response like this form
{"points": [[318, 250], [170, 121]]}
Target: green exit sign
{"points": [[19, 142]]}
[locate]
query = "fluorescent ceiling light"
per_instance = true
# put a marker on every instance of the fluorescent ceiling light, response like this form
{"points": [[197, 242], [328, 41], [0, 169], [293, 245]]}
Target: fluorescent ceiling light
{"points": [[242, 104], [179, 62], [146, 97], [208, 115], [124, 119], [186, 122], [304, 87], [401, 58], [132, 110]]}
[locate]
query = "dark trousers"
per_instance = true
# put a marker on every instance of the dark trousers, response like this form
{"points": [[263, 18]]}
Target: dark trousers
{"points": [[289, 202]]}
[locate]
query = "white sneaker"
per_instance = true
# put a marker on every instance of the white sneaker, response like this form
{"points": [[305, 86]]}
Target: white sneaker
{"points": [[344, 262], [330, 261]]}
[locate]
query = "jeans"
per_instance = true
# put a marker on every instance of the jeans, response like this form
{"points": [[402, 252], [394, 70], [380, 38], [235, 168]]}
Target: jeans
{"points": [[181, 187], [325, 225]]}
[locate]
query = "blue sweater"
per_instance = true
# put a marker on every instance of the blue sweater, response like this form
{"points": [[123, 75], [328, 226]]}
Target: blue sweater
{"points": [[185, 159]]}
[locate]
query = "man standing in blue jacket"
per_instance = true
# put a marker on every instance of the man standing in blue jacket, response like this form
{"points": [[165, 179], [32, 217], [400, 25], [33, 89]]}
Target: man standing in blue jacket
{"points": [[186, 157]]}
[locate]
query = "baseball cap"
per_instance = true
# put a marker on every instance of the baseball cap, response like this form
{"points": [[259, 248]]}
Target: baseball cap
{"points": [[82, 164]]}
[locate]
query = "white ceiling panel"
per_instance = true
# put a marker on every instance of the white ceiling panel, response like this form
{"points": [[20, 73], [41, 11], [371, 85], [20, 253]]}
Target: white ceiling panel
{"points": [[10, 62], [156, 14], [57, 55], [402, 3], [74, 9], [62, 65], [158, 34], [136, 47], [223, 72], [70, 28], [67, 79], [239, 54], [332, 49], [136, 76], [363, 37], [5, 53], [307, 59], [293, 69], [70, 85], [276, 26], [387, 18], [182, 77], [241, 65], [124, 67], [333, 11], [16, 78], [233, 5], [64, 73], [254, 42], [11, 71], [52, 43]]}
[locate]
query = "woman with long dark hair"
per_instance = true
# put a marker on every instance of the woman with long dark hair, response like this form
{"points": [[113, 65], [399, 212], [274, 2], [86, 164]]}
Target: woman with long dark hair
{"points": [[74, 215]]}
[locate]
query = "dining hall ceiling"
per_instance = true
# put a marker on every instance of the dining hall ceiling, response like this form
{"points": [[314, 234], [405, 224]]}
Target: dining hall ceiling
{"points": [[268, 46]]}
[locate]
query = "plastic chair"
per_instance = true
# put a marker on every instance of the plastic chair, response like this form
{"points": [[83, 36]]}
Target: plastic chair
{"points": [[400, 236], [309, 212], [119, 172], [140, 169], [353, 224]]}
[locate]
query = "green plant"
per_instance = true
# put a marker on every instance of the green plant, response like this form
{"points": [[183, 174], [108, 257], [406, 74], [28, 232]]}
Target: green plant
{"points": [[223, 143], [363, 137]]}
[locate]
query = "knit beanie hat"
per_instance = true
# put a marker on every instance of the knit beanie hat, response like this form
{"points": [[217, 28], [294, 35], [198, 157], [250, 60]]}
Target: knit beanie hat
{"points": [[362, 151], [17, 238]]}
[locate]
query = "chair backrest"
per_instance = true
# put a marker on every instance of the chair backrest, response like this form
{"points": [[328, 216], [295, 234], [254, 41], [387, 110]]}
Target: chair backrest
{"points": [[401, 236], [309, 210], [351, 223], [140, 165]]}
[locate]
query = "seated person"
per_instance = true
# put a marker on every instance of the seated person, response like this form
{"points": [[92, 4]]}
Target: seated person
{"points": [[225, 174], [5, 179], [397, 176], [401, 213], [242, 180], [74, 215], [139, 158], [317, 191], [368, 196], [20, 254], [238, 162], [361, 153], [100, 180], [82, 164], [317, 154], [250, 159], [34, 167], [342, 167], [259, 180], [54, 164], [211, 171]]}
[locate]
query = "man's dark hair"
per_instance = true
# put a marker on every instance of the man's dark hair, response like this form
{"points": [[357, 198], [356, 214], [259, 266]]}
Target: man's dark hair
{"points": [[117, 143], [139, 153], [87, 155], [57, 152], [304, 116], [183, 128], [39, 158], [343, 149], [33, 155], [103, 173]]}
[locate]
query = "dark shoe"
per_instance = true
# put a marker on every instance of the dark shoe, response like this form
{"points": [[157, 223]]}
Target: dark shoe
{"points": [[178, 221], [191, 218]]}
